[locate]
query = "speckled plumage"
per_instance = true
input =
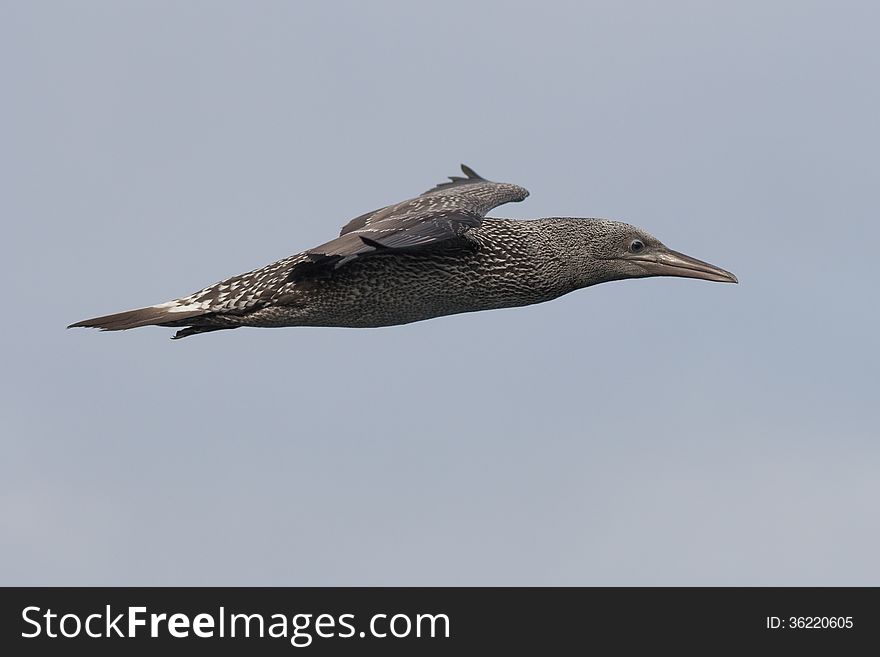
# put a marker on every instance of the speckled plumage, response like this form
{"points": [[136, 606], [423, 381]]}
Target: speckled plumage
{"points": [[425, 257]]}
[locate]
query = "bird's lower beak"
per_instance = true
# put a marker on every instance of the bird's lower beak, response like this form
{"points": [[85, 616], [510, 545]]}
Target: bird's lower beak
{"points": [[673, 263]]}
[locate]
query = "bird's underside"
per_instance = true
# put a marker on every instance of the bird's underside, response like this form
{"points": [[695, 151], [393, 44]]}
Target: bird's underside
{"points": [[432, 255]]}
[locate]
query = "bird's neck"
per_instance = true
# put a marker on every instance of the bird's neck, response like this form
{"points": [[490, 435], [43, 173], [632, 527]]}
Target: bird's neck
{"points": [[550, 254], [563, 249]]}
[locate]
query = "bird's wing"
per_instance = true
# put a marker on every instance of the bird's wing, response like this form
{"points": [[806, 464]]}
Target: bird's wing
{"points": [[436, 219]]}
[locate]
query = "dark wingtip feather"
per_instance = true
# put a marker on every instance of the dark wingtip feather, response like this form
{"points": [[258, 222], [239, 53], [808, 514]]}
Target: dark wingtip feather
{"points": [[470, 173], [455, 181]]}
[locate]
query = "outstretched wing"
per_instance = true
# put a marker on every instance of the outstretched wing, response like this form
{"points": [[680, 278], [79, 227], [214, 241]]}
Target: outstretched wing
{"points": [[436, 219]]}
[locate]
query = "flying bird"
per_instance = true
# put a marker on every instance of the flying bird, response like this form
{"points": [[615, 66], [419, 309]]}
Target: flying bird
{"points": [[432, 255]]}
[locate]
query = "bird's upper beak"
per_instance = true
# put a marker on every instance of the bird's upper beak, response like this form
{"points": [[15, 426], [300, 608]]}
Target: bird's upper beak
{"points": [[673, 263]]}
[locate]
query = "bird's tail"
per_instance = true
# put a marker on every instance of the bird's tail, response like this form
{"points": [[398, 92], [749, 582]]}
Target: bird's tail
{"points": [[172, 313]]}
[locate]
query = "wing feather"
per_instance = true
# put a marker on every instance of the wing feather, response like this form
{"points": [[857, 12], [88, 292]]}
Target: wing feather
{"points": [[436, 219]]}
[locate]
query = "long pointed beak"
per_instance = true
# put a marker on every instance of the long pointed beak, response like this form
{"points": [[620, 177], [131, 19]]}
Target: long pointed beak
{"points": [[673, 263]]}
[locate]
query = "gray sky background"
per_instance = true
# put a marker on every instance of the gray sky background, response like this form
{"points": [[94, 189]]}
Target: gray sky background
{"points": [[644, 432]]}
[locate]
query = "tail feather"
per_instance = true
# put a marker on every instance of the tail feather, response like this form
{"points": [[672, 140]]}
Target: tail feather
{"points": [[149, 316]]}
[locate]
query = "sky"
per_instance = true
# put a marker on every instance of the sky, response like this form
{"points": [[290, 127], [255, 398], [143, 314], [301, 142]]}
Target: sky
{"points": [[648, 432]]}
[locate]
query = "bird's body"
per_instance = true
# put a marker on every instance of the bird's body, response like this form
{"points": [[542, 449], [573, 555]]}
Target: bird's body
{"points": [[501, 264], [427, 257]]}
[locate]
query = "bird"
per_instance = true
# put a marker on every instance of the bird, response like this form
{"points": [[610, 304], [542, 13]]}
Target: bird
{"points": [[432, 255]]}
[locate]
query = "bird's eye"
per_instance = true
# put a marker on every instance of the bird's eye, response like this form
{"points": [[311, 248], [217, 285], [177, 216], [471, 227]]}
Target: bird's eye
{"points": [[636, 245]]}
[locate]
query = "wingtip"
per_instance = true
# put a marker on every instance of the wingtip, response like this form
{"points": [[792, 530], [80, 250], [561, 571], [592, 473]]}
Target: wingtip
{"points": [[470, 173]]}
